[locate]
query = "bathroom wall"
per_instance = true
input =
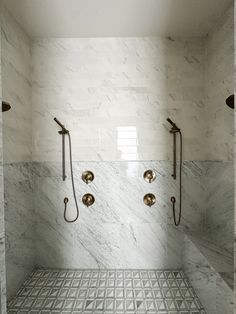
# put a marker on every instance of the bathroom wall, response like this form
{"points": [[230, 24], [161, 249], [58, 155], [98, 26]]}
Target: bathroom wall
{"points": [[208, 258], [2, 224], [114, 95], [219, 74], [19, 214]]}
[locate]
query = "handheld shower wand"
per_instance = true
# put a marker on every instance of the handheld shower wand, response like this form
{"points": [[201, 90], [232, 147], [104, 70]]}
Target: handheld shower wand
{"points": [[63, 132], [174, 130]]}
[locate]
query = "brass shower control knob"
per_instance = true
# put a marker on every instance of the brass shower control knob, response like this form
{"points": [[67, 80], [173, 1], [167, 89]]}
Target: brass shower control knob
{"points": [[88, 199], [87, 176], [149, 199], [149, 176]]}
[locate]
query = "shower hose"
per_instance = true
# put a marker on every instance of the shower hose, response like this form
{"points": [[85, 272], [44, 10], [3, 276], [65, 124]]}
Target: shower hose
{"points": [[66, 200], [173, 199]]}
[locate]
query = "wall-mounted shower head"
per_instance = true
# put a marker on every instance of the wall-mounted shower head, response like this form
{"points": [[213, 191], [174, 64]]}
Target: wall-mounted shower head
{"points": [[5, 106], [174, 126], [230, 101], [61, 125]]}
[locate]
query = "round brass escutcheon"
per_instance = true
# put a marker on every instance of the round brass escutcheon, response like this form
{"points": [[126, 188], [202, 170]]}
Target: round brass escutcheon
{"points": [[149, 176], [88, 199], [87, 176], [149, 199]]}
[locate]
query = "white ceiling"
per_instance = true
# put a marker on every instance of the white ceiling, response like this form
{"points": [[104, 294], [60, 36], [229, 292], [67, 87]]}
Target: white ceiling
{"points": [[111, 18]]}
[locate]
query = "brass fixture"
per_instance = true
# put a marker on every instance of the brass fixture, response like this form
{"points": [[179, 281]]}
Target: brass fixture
{"points": [[88, 199], [87, 176], [149, 176], [65, 132], [175, 130], [149, 199]]}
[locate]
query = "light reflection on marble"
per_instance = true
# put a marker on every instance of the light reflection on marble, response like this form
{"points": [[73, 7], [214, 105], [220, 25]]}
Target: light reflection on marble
{"points": [[96, 86]]}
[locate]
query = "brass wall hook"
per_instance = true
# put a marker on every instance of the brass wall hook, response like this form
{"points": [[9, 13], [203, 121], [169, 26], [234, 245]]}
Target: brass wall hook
{"points": [[149, 176], [87, 176], [88, 199], [149, 199]]}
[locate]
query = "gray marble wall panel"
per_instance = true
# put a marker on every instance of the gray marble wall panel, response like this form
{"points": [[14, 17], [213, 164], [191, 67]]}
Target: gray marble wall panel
{"points": [[218, 86], [2, 224], [16, 86], [220, 203], [20, 226], [17, 143], [214, 293], [118, 230]]}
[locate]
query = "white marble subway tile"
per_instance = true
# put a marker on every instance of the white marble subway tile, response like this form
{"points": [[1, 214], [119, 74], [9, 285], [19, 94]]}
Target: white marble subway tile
{"points": [[108, 83], [16, 87]]}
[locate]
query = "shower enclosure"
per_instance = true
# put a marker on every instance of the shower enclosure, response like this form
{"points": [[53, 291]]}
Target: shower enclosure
{"points": [[111, 90]]}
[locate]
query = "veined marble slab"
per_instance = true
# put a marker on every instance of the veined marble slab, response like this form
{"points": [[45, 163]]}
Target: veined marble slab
{"points": [[118, 230], [19, 224], [214, 293]]}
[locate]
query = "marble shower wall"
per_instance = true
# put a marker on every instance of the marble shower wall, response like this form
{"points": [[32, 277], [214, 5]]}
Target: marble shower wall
{"points": [[219, 73], [114, 94], [3, 309], [17, 132], [118, 231]]}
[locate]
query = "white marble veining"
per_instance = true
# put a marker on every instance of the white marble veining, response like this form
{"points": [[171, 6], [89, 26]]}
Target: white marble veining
{"points": [[102, 87], [219, 221], [17, 143], [114, 95], [19, 224], [119, 230], [214, 293], [16, 85], [219, 84], [3, 309]]}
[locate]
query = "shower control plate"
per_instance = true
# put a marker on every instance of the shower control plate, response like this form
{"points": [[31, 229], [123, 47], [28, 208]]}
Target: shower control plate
{"points": [[149, 199], [149, 176], [88, 199], [88, 176]]}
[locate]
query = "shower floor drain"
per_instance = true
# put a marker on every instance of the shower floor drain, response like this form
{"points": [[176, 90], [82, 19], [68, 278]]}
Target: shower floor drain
{"points": [[106, 292]]}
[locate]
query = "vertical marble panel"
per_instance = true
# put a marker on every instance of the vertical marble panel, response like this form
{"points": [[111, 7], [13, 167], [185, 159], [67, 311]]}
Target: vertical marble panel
{"points": [[2, 224], [19, 224], [17, 143], [214, 293], [219, 84], [220, 203], [16, 85]]}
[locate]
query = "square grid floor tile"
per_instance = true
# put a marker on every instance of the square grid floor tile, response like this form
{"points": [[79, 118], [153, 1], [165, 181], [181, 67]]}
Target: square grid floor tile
{"points": [[106, 292]]}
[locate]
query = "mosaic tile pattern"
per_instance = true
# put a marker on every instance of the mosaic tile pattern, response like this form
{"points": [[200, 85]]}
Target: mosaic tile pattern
{"points": [[107, 292]]}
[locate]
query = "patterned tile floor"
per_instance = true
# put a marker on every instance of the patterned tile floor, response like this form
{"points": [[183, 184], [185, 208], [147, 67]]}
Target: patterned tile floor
{"points": [[106, 292]]}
